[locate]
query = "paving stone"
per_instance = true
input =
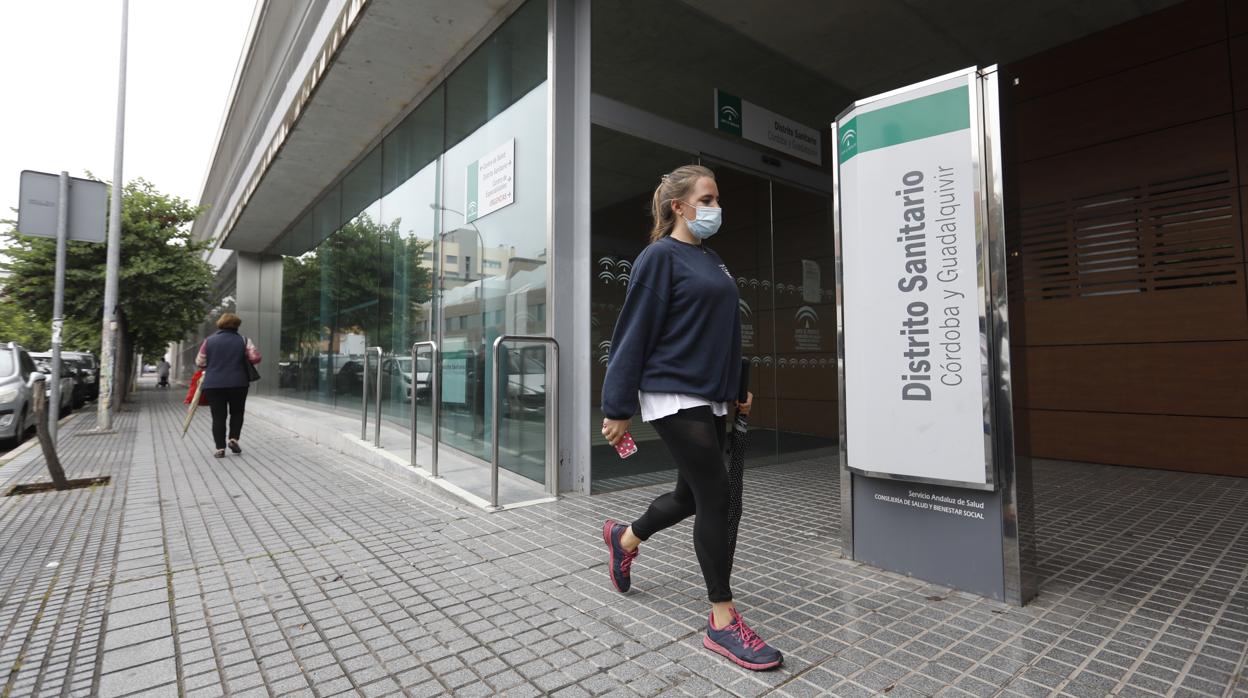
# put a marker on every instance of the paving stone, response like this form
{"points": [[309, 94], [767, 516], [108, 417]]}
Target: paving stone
{"points": [[293, 566]]}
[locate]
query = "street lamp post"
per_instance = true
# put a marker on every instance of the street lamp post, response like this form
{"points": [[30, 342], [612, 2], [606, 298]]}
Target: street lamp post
{"points": [[108, 336]]}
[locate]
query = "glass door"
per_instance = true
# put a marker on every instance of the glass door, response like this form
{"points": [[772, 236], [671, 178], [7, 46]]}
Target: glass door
{"points": [[744, 242], [804, 324], [776, 240]]}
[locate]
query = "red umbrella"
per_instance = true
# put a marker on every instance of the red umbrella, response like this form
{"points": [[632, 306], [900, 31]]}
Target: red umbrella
{"points": [[194, 398]]}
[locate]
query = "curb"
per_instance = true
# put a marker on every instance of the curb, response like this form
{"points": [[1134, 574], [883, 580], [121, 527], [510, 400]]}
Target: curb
{"points": [[32, 442]]}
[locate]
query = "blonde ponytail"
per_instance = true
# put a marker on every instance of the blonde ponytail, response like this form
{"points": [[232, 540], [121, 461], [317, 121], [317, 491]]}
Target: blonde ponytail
{"points": [[675, 185]]}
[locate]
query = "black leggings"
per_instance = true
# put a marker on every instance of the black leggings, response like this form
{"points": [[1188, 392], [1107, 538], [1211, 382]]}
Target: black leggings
{"points": [[220, 400], [695, 437]]}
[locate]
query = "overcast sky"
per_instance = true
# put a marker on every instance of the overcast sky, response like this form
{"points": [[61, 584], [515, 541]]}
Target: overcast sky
{"points": [[58, 78]]}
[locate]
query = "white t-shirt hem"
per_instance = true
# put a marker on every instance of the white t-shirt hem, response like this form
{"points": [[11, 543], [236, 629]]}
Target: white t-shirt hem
{"points": [[659, 405]]}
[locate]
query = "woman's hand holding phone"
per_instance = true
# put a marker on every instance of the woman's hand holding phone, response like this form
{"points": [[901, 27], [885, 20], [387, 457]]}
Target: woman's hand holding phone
{"points": [[614, 429]]}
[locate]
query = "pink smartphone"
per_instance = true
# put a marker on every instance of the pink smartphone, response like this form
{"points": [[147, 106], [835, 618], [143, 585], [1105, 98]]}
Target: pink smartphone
{"points": [[626, 446]]}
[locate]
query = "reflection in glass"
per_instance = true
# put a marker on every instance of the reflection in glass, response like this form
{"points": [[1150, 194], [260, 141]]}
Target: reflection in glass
{"points": [[388, 258]]}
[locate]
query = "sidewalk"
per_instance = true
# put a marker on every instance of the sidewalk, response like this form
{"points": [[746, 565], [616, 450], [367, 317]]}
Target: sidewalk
{"points": [[293, 570]]}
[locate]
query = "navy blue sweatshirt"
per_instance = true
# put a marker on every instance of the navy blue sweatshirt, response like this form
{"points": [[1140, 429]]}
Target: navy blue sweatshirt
{"points": [[226, 352], [679, 330]]}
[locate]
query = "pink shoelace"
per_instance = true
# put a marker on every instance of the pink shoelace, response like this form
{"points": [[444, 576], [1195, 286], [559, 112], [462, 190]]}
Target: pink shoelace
{"points": [[747, 635], [626, 562]]}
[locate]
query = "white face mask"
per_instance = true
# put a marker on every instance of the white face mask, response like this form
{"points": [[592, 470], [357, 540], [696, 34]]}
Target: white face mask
{"points": [[706, 221]]}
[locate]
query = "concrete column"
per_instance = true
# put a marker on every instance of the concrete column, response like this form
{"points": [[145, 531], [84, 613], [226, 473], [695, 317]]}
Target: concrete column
{"points": [[258, 299], [571, 273]]}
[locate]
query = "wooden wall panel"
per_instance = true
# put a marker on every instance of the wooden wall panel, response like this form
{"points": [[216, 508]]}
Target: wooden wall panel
{"points": [[1154, 36], [1198, 314], [1238, 48], [1193, 444], [1127, 238], [1189, 378], [1152, 96], [1203, 148]]}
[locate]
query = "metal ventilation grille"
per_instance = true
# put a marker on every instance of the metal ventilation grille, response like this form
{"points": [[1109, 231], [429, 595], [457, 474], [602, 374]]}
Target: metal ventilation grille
{"points": [[1167, 235]]}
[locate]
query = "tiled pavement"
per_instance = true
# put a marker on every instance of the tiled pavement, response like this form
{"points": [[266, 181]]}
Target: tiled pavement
{"points": [[291, 570]]}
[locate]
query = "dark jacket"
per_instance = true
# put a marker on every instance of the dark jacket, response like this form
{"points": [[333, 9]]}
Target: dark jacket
{"points": [[225, 354], [679, 330]]}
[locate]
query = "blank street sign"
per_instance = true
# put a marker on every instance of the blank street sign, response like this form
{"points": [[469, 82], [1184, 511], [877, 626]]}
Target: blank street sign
{"points": [[40, 193]]}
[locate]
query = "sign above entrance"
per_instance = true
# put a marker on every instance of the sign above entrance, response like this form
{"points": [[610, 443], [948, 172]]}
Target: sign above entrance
{"points": [[753, 123], [912, 243], [491, 182]]}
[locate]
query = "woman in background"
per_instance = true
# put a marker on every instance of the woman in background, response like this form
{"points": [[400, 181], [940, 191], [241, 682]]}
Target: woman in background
{"points": [[224, 357]]}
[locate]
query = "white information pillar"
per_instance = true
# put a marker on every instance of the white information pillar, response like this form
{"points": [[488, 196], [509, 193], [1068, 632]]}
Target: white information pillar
{"points": [[930, 482]]}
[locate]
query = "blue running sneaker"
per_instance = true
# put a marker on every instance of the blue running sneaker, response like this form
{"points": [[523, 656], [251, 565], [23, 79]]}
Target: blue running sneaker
{"points": [[740, 644], [621, 559]]}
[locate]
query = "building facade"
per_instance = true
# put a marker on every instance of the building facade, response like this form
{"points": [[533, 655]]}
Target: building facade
{"points": [[391, 172]]}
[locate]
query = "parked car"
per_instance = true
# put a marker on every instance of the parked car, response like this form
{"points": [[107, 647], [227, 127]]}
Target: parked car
{"points": [[76, 368], [68, 379], [397, 371], [16, 405], [84, 386], [349, 380], [396, 377], [526, 381], [93, 369]]}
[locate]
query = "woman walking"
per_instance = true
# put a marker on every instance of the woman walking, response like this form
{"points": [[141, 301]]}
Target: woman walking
{"points": [[675, 358], [225, 356]]}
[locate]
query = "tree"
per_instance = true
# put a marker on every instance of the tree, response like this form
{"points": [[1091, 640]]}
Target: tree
{"points": [[165, 285], [366, 277]]}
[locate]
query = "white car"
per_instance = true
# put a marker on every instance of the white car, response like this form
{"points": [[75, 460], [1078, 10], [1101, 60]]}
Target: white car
{"points": [[67, 384]]}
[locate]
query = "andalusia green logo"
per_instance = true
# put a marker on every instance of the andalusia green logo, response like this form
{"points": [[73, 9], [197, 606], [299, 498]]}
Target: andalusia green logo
{"points": [[847, 143], [912, 120], [728, 113]]}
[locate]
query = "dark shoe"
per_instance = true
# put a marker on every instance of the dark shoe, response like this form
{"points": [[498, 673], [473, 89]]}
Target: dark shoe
{"points": [[235, 447], [740, 644], [621, 561], [219, 453]]}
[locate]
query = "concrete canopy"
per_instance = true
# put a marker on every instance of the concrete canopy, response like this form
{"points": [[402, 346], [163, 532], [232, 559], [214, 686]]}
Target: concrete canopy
{"points": [[851, 49], [875, 46], [396, 49]]}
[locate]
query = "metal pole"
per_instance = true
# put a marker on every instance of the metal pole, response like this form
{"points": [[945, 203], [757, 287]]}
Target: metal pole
{"points": [[552, 423], [377, 428], [108, 335], [494, 424], [435, 396], [58, 305], [412, 427], [552, 418], [364, 399]]}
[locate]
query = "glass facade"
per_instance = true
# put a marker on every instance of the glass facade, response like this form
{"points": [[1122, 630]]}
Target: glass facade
{"points": [[440, 233], [407, 247], [776, 239]]}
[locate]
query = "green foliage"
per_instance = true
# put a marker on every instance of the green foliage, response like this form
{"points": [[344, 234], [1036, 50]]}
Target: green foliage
{"points": [[18, 324], [164, 284], [364, 278]]}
